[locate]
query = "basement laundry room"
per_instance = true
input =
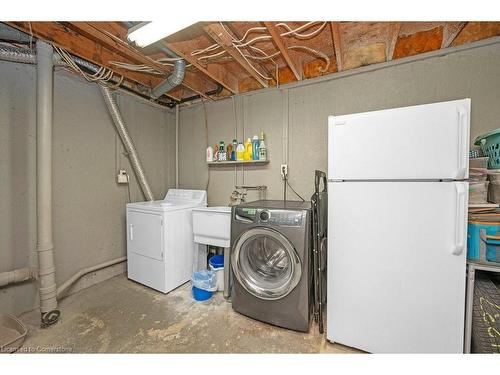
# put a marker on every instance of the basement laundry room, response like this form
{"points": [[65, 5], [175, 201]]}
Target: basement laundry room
{"points": [[260, 186]]}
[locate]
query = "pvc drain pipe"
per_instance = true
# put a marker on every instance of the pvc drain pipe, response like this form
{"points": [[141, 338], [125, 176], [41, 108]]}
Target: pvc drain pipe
{"points": [[45, 247]]}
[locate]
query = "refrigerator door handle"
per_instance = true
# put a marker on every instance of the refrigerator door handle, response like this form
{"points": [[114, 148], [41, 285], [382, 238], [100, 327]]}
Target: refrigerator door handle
{"points": [[463, 142], [461, 201]]}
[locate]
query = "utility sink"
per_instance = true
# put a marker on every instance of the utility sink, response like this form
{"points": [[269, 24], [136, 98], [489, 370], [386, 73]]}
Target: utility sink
{"points": [[212, 225]]}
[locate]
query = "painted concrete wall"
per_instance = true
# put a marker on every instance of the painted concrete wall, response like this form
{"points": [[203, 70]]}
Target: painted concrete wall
{"points": [[89, 206], [302, 113]]}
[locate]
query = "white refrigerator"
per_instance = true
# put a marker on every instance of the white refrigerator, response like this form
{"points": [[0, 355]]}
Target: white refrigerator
{"points": [[397, 228]]}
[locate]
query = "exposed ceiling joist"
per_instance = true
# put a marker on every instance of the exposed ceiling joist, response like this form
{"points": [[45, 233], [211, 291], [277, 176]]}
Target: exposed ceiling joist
{"points": [[87, 49], [214, 71], [220, 36], [108, 40], [452, 33], [337, 44], [394, 29], [281, 47]]}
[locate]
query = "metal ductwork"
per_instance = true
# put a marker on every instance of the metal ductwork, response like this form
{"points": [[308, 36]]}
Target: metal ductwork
{"points": [[172, 81], [13, 35], [175, 78], [122, 130]]}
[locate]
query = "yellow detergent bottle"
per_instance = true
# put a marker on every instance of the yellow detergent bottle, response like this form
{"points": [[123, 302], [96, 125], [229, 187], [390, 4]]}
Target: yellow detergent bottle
{"points": [[248, 149], [240, 151]]}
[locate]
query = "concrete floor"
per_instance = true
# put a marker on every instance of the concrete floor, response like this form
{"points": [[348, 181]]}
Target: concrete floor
{"points": [[120, 316]]}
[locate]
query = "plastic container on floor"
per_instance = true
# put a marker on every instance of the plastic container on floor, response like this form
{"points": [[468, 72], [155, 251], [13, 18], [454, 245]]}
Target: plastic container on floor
{"points": [[216, 264], [204, 279], [201, 295]]}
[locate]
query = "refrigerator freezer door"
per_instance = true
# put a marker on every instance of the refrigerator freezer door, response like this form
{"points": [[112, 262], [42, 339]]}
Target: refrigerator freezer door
{"points": [[422, 142], [396, 266]]}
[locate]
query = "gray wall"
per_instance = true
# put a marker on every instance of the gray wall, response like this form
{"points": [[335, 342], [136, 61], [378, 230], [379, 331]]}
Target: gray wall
{"points": [[89, 206], [302, 112]]}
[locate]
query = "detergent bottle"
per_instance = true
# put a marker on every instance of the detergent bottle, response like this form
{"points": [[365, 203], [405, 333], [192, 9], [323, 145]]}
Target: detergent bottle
{"points": [[240, 151], [255, 148], [262, 148], [248, 150]]}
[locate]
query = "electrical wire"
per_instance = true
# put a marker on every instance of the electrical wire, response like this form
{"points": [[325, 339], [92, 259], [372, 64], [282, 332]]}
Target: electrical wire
{"points": [[252, 41], [290, 186], [102, 76], [211, 56], [128, 188], [241, 44], [210, 48], [295, 33], [317, 53]]}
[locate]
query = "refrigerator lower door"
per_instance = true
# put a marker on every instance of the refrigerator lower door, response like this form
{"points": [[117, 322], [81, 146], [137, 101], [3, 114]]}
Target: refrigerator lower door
{"points": [[396, 266]]}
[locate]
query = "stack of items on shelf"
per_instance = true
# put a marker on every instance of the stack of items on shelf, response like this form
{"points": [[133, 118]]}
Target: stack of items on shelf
{"points": [[253, 149], [478, 180], [489, 163], [483, 233]]}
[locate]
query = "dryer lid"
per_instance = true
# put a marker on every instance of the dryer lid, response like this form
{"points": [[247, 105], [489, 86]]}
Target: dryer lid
{"points": [[185, 196]]}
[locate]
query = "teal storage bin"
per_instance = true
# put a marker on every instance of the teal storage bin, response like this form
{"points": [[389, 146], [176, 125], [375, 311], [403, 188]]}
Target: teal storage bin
{"points": [[490, 224], [490, 146], [492, 248]]}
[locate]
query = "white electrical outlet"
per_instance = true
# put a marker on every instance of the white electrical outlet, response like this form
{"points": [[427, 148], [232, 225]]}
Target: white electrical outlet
{"points": [[284, 171], [122, 177]]}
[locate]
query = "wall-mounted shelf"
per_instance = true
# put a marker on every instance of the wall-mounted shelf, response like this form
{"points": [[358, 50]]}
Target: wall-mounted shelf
{"points": [[237, 162]]}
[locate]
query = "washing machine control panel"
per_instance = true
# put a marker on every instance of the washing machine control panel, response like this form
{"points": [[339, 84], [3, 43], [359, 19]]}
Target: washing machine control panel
{"points": [[282, 217], [274, 217]]}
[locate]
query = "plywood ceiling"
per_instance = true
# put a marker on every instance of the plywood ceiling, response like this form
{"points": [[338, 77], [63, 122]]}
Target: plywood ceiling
{"points": [[226, 58]]}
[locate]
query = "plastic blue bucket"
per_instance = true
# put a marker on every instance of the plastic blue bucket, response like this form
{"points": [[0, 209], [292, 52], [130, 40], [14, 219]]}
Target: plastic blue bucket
{"points": [[201, 295], [217, 261]]}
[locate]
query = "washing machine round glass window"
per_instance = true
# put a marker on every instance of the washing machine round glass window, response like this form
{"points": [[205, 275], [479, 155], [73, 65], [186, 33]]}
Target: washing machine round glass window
{"points": [[266, 263]]}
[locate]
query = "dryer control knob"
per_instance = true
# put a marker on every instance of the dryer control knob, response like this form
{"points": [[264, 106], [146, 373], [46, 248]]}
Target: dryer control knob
{"points": [[264, 215]]}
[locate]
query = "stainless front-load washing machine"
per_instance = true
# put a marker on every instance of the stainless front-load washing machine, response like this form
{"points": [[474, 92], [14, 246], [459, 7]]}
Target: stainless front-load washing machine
{"points": [[270, 260]]}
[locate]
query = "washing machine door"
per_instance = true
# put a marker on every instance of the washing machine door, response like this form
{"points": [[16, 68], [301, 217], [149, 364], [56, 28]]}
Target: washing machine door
{"points": [[265, 263]]}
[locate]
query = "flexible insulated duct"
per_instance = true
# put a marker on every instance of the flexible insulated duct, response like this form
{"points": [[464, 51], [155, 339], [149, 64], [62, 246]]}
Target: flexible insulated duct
{"points": [[122, 130], [14, 35], [173, 80], [45, 246]]}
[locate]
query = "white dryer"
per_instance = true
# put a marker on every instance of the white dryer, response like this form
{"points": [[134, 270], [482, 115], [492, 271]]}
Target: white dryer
{"points": [[160, 244]]}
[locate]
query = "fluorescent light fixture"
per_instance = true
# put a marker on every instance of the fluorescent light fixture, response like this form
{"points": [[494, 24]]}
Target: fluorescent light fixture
{"points": [[148, 33]]}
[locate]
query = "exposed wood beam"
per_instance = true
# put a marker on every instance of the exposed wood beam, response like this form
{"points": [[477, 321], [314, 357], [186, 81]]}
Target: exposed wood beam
{"points": [[97, 33], [394, 29], [281, 47], [452, 34], [87, 49], [213, 71], [230, 26], [337, 44], [220, 36]]}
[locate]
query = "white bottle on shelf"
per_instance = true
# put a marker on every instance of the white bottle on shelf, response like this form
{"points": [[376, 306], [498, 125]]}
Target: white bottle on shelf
{"points": [[262, 148], [210, 154]]}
